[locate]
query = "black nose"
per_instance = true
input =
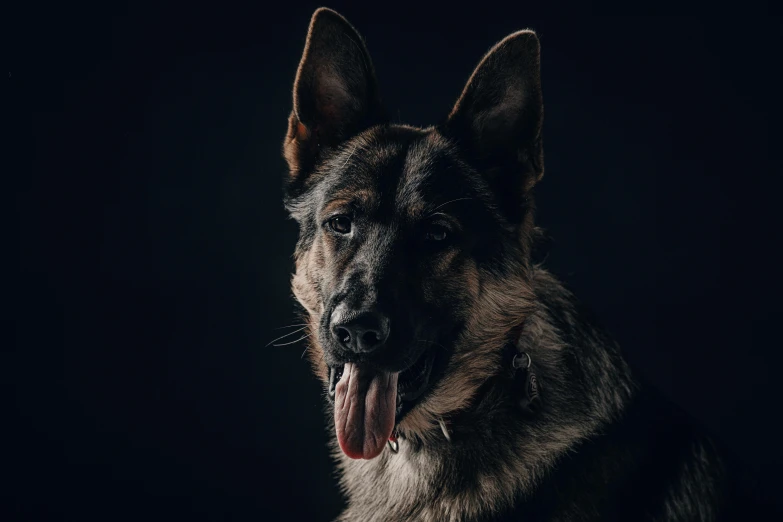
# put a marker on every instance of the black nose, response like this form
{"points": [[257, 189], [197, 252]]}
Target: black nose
{"points": [[364, 333]]}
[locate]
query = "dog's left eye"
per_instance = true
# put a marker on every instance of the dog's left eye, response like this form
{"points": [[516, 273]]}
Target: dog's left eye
{"points": [[340, 224], [436, 233]]}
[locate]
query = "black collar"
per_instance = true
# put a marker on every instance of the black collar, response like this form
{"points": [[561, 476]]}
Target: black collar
{"points": [[525, 389]]}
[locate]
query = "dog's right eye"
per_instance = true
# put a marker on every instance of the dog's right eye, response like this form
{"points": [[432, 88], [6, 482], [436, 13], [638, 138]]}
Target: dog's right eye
{"points": [[340, 224]]}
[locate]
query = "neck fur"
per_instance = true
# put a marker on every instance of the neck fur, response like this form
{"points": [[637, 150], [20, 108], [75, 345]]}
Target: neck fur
{"points": [[496, 452]]}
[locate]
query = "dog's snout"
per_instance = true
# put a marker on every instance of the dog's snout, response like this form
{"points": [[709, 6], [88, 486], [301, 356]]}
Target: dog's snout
{"points": [[363, 332]]}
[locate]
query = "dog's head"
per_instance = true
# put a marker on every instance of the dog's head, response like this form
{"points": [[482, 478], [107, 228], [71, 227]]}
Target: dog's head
{"points": [[414, 243]]}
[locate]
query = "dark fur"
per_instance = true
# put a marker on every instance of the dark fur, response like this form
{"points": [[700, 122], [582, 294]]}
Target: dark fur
{"points": [[600, 447]]}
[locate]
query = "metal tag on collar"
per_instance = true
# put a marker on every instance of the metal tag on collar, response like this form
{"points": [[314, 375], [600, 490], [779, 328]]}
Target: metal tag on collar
{"points": [[521, 360], [526, 383], [530, 399]]}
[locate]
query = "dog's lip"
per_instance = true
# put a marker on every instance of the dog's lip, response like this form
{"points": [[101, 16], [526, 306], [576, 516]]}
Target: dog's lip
{"points": [[412, 385], [335, 373]]}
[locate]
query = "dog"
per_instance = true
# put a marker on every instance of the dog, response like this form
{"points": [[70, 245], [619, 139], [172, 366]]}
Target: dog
{"points": [[463, 382]]}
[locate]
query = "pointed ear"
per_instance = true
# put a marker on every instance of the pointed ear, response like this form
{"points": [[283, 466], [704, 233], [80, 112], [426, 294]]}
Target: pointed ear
{"points": [[498, 118], [335, 92]]}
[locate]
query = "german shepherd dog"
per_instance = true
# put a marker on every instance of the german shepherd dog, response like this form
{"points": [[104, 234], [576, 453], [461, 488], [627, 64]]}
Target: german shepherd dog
{"points": [[463, 381]]}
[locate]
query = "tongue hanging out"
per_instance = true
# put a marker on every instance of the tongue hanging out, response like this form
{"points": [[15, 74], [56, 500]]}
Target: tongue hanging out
{"points": [[364, 407]]}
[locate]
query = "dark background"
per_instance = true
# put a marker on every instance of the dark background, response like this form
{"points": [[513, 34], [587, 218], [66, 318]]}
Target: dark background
{"points": [[154, 254]]}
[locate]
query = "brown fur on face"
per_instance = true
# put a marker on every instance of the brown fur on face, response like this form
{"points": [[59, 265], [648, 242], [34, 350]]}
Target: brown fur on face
{"points": [[489, 299], [494, 314]]}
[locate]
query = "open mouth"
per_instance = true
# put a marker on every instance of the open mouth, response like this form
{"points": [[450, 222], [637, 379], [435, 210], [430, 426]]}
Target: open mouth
{"points": [[369, 403], [411, 382]]}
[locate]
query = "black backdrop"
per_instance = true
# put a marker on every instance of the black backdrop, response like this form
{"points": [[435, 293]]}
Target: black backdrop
{"points": [[154, 253]]}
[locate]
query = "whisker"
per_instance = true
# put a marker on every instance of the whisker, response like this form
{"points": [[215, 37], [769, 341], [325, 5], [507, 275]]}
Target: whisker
{"points": [[353, 150], [290, 326], [286, 335], [446, 203], [439, 214], [293, 342]]}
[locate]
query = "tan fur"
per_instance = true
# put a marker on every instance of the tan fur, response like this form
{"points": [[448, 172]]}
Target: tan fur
{"points": [[698, 478], [495, 313]]}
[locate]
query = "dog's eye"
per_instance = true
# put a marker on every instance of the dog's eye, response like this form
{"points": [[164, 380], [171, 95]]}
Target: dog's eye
{"points": [[340, 224], [436, 233]]}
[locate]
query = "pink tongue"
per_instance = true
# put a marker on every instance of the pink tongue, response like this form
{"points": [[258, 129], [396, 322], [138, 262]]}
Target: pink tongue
{"points": [[364, 408]]}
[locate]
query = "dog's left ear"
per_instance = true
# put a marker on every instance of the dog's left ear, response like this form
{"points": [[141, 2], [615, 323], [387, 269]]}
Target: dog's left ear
{"points": [[335, 93], [497, 119]]}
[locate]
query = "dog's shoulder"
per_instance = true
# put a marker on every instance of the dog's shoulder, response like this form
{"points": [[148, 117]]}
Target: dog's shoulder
{"points": [[652, 463], [648, 461]]}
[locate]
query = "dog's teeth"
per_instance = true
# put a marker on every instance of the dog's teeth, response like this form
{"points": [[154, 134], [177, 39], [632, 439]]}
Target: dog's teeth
{"points": [[443, 429]]}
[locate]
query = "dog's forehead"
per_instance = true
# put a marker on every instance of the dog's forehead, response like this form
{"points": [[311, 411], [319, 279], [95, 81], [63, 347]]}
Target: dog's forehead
{"points": [[402, 170]]}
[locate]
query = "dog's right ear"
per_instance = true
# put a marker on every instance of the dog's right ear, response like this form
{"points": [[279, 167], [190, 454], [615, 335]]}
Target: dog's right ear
{"points": [[335, 93]]}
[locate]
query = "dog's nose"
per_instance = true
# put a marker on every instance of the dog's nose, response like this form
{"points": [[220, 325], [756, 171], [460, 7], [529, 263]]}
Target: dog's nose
{"points": [[364, 333]]}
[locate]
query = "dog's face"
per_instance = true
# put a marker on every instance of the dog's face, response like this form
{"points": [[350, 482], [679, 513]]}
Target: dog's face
{"points": [[414, 243]]}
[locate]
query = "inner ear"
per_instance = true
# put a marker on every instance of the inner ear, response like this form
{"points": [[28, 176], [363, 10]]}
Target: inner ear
{"points": [[499, 114], [335, 93]]}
